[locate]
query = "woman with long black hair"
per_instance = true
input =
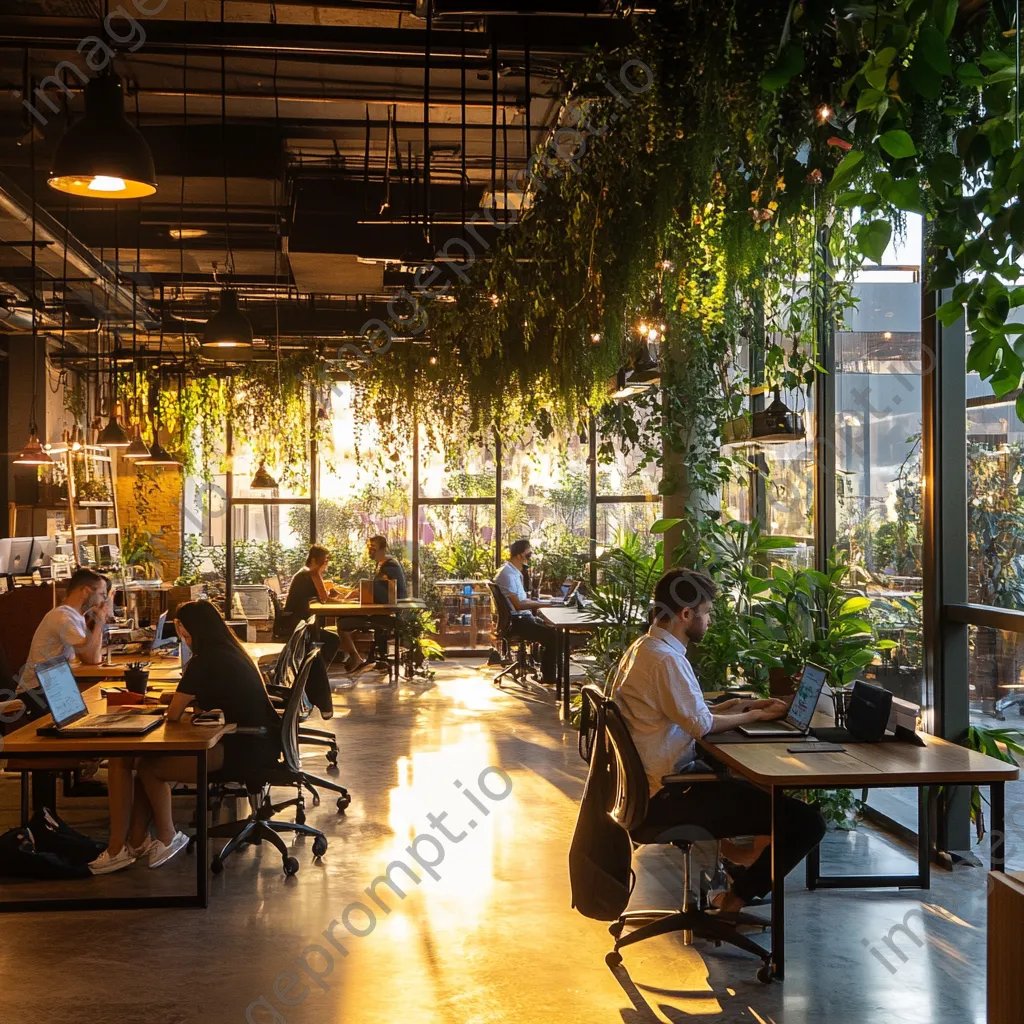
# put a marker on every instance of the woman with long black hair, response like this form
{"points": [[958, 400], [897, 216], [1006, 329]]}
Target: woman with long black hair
{"points": [[220, 675]]}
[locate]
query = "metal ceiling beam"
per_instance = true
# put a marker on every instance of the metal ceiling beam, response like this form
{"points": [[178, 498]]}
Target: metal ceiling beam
{"points": [[393, 47]]}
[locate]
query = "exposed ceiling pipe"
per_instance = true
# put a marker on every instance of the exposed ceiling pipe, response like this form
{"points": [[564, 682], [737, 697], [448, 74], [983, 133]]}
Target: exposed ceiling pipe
{"points": [[99, 281]]}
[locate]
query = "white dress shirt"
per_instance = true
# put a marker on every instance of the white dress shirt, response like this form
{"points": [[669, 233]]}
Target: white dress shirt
{"points": [[659, 696], [61, 630], [510, 581]]}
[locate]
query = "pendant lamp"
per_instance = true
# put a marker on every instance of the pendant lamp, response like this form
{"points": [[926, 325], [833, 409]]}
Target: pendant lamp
{"points": [[102, 154], [777, 424], [228, 334], [113, 434], [262, 480], [158, 456], [33, 454], [138, 449]]}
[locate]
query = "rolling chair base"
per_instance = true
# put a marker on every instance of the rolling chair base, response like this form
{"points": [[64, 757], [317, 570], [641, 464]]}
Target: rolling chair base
{"points": [[256, 830], [693, 921]]}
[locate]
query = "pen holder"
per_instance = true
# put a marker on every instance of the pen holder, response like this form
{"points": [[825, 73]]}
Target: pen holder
{"points": [[136, 680]]}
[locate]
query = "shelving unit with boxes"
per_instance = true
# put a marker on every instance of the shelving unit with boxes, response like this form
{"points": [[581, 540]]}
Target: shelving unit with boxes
{"points": [[465, 619]]}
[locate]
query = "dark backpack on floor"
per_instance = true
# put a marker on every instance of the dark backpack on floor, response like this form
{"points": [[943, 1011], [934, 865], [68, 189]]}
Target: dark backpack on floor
{"points": [[601, 854], [47, 847]]}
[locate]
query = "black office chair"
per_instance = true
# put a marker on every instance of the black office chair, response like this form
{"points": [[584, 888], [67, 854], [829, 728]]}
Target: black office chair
{"points": [[259, 825], [289, 665], [632, 793], [512, 647], [280, 681]]}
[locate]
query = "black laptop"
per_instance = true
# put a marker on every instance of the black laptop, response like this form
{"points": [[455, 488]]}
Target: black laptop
{"points": [[72, 718]]}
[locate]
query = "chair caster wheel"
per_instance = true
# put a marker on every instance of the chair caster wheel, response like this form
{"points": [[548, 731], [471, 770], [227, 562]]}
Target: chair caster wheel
{"points": [[216, 865], [332, 757], [615, 928], [319, 846], [343, 802], [765, 974], [613, 959], [291, 866]]}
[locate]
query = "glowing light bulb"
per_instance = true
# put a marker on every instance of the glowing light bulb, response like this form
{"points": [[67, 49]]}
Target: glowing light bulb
{"points": [[103, 183], [652, 334], [824, 113], [887, 335], [494, 299], [433, 360], [661, 327], [596, 339], [642, 328]]}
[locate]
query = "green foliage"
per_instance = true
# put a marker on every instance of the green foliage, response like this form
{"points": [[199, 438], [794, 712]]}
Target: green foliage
{"points": [[192, 557], [1001, 744], [463, 558], [414, 633], [809, 616], [626, 577], [559, 554], [137, 550]]}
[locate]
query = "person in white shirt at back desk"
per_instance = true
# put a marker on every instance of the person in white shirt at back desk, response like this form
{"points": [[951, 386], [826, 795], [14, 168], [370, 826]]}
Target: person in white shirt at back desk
{"points": [[74, 629], [665, 711], [526, 625]]}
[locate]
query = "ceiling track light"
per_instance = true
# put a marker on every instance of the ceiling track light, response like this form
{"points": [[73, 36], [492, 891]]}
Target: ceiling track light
{"points": [[102, 155]]}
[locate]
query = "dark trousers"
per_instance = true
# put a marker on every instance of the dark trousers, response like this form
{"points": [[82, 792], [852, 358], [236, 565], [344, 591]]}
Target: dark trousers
{"points": [[329, 643], [733, 807], [529, 628]]}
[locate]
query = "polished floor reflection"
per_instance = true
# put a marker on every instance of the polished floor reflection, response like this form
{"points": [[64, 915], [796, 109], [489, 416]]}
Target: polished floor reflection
{"points": [[444, 899]]}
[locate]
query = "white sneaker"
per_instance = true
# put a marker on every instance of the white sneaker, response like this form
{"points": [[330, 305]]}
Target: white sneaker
{"points": [[161, 854], [104, 864], [144, 849]]}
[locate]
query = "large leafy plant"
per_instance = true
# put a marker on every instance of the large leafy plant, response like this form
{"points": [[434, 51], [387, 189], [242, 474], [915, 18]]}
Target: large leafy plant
{"points": [[626, 575], [804, 616]]}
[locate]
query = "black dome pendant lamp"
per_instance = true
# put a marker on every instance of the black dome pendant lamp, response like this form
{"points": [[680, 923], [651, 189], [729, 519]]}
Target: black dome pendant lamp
{"points": [[228, 333], [103, 155], [777, 424]]}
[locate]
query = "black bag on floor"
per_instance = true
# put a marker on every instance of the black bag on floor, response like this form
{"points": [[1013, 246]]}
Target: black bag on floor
{"points": [[47, 847], [601, 854]]}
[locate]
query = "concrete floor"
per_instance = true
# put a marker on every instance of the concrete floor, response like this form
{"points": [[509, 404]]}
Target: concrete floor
{"points": [[491, 938]]}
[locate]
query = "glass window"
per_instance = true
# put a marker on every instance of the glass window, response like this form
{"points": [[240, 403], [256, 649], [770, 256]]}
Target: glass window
{"points": [[616, 518]]}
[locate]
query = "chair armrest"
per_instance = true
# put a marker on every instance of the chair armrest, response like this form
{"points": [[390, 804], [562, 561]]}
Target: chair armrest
{"points": [[688, 778]]}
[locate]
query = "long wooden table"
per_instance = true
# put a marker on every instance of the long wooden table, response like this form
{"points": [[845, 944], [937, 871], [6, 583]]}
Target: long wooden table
{"points": [[769, 764], [164, 668], [387, 613], [180, 737]]}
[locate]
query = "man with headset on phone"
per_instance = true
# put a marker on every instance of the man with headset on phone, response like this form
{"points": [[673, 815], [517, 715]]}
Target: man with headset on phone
{"points": [[663, 706]]}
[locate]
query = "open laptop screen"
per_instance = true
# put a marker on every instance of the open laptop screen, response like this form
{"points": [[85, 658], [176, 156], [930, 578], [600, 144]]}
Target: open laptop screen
{"points": [[62, 694], [163, 636], [806, 698]]}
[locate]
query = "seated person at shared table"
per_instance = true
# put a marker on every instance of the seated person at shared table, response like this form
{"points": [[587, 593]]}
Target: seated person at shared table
{"points": [[388, 567], [525, 625], [219, 675], [664, 709], [308, 585], [74, 629]]}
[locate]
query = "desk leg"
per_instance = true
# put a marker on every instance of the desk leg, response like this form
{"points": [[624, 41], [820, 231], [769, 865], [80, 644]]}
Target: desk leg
{"points": [[202, 831], [778, 891], [565, 676], [398, 657], [924, 836], [997, 827]]}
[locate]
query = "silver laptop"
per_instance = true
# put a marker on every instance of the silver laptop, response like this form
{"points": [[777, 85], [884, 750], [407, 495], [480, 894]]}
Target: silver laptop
{"points": [[798, 720], [162, 637], [569, 596], [70, 714]]}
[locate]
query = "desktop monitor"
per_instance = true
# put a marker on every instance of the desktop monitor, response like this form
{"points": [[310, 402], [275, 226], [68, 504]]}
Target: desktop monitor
{"points": [[164, 636], [43, 549], [20, 556], [5, 555]]}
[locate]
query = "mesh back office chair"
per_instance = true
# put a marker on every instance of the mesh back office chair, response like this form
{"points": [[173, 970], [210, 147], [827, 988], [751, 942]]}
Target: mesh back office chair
{"points": [[512, 646], [259, 825], [632, 793], [286, 672]]}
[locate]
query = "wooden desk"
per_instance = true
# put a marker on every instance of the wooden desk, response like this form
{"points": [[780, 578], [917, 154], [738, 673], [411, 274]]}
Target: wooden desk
{"points": [[568, 620], [1005, 948], [387, 613], [771, 766], [168, 738], [164, 668]]}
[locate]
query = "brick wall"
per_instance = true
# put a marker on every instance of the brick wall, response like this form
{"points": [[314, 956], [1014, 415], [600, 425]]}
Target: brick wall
{"points": [[150, 499]]}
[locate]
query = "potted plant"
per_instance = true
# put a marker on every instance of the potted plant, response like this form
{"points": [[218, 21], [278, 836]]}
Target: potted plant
{"points": [[808, 616]]}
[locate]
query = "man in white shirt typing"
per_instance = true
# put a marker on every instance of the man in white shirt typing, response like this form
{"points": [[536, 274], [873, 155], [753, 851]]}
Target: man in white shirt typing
{"points": [[664, 708], [525, 624]]}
